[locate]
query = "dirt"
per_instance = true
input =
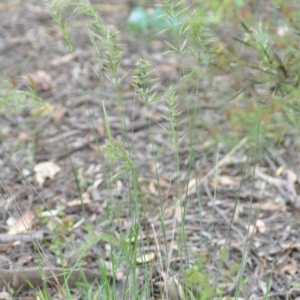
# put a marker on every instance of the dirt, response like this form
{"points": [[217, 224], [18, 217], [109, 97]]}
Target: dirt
{"points": [[73, 139]]}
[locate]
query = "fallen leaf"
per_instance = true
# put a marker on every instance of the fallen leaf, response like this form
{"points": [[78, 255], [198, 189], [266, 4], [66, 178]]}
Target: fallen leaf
{"points": [[270, 206], [292, 176], [251, 230], [261, 226], [290, 245], [153, 167], [236, 215], [12, 189], [45, 109], [280, 170], [85, 200], [45, 170], [233, 243], [58, 113], [119, 275], [98, 182], [291, 268], [23, 224], [39, 80], [263, 286], [145, 258], [64, 59], [178, 211], [100, 127], [164, 183], [49, 213], [173, 286], [152, 187], [23, 136], [226, 180], [5, 296]]}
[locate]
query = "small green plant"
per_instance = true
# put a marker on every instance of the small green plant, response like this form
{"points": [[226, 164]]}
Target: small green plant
{"points": [[198, 280]]}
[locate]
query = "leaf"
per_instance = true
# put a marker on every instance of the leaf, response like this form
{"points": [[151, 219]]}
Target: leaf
{"points": [[45, 109], [45, 170], [23, 224], [64, 59], [5, 295], [290, 268], [261, 226], [58, 113], [39, 81], [85, 199], [227, 180], [145, 258]]}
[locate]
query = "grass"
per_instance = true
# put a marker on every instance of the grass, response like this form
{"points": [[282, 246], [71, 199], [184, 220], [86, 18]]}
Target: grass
{"points": [[261, 104]]}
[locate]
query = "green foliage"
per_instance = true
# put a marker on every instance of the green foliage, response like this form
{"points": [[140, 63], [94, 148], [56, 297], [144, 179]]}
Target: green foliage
{"points": [[143, 81], [198, 280], [13, 100]]}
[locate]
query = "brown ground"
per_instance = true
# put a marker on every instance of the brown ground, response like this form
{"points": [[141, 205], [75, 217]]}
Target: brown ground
{"points": [[30, 41]]}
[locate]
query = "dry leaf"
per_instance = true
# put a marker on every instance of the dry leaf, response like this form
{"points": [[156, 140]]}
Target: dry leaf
{"points": [[291, 268], [64, 59], [98, 182], [119, 275], [270, 206], [251, 230], [50, 213], [100, 127], [145, 258], [178, 211], [261, 226], [290, 245], [85, 200], [234, 243], [292, 176], [164, 181], [226, 180], [12, 189], [45, 170], [263, 286], [59, 113], [23, 224], [174, 288], [280, 170], [153, 167], [23, 136], [152, 187], [45, 109], [39, 80], [5, 296], [236, 215]]}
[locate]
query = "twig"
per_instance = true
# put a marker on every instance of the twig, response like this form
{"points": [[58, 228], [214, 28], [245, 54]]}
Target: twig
{"points": [[26, 237]]}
